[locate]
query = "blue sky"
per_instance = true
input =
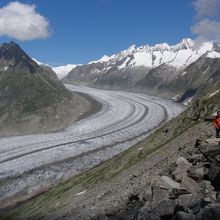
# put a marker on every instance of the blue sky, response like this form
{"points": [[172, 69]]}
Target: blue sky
{"points": [[84, 30]]}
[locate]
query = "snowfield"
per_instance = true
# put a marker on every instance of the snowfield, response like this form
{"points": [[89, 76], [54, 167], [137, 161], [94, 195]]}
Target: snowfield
{"points": [[30, 163]]}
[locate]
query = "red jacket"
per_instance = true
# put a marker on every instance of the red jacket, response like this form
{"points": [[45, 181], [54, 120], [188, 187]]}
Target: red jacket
{"points": [[217, 121]]}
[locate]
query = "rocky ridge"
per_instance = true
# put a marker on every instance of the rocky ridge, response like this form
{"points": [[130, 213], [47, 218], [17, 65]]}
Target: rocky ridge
{"points": [[32, 99]]}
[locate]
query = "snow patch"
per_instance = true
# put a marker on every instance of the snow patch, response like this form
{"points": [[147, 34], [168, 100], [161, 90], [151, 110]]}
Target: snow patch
{"points": [[105, 58], [80, 193], [142, 59], [188, 102], [38, 62], [213, 54], [212, 94], [175, 97], [184, 73], [62, 71], [124, 64]]}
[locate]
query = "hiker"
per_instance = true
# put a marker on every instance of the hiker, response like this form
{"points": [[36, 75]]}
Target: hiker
{"points": [[217, 124]]}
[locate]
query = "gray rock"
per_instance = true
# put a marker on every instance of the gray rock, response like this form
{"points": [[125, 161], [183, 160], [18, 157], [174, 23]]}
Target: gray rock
{"points": [[190, 203], [148, 216], [166, 208], [212, 212], [181, 160], [218, 197], [208, 191], [200, 214], [197, 172], [158, 203], [158, 181], [214, 174], [181, 171], [175, 193], [210, 150], [190, 185], [184, 216], [162, 208], [170, 182], [156, 195], [217, 158], [195, 158]]}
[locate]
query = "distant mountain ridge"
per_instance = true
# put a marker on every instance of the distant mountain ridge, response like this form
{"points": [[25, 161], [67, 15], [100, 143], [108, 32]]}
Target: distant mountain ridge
{"points": [[179, 55], [155, 69]]}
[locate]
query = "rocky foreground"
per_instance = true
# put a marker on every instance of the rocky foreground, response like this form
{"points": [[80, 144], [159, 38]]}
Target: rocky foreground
{"points": [[190, 191]]}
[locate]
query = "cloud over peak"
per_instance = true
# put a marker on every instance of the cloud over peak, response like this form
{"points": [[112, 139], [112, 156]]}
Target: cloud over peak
{"points": [[206, 8], [207, 24], [207, 29], [22, 22]]}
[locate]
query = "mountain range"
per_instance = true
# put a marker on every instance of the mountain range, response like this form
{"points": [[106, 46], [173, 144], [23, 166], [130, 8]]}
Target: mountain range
{"points": [[162, 70]]}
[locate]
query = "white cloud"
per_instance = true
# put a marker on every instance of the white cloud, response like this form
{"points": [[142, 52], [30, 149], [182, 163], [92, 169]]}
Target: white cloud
{"points": [[206, 8], [22, 22], [207, 29], [207, 25]]}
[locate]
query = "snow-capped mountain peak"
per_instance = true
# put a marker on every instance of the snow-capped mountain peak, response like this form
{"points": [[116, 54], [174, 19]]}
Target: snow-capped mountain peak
{"points": [[160, 47], [186, 43], [105, 58], [180, 55], [63, 71]]}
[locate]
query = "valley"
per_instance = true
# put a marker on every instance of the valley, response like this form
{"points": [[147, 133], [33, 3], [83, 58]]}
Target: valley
{"points": [[34, 162]]}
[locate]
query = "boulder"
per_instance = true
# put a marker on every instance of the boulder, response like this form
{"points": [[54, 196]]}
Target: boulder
{"points": [[214, 175], [197, 172], [195, 158], [148, 216], [171, 183], [158, 181], [218, 197], [190, 203], [159, 208], [212, 212], [158, 203], [184, 216], [181, 171], [158, 196], [181, 160], [209, 194], [210, 150], [217, 158], [175, 193], [190, 185], [166, 208]]}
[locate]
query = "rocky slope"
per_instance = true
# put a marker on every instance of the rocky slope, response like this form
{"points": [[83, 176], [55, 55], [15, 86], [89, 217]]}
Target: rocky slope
{"points": [[32, 99], [160, 70], [129, 186]]}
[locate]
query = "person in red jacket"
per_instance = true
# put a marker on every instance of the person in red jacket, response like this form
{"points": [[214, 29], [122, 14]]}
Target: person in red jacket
{"points": [[217, 124]]}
